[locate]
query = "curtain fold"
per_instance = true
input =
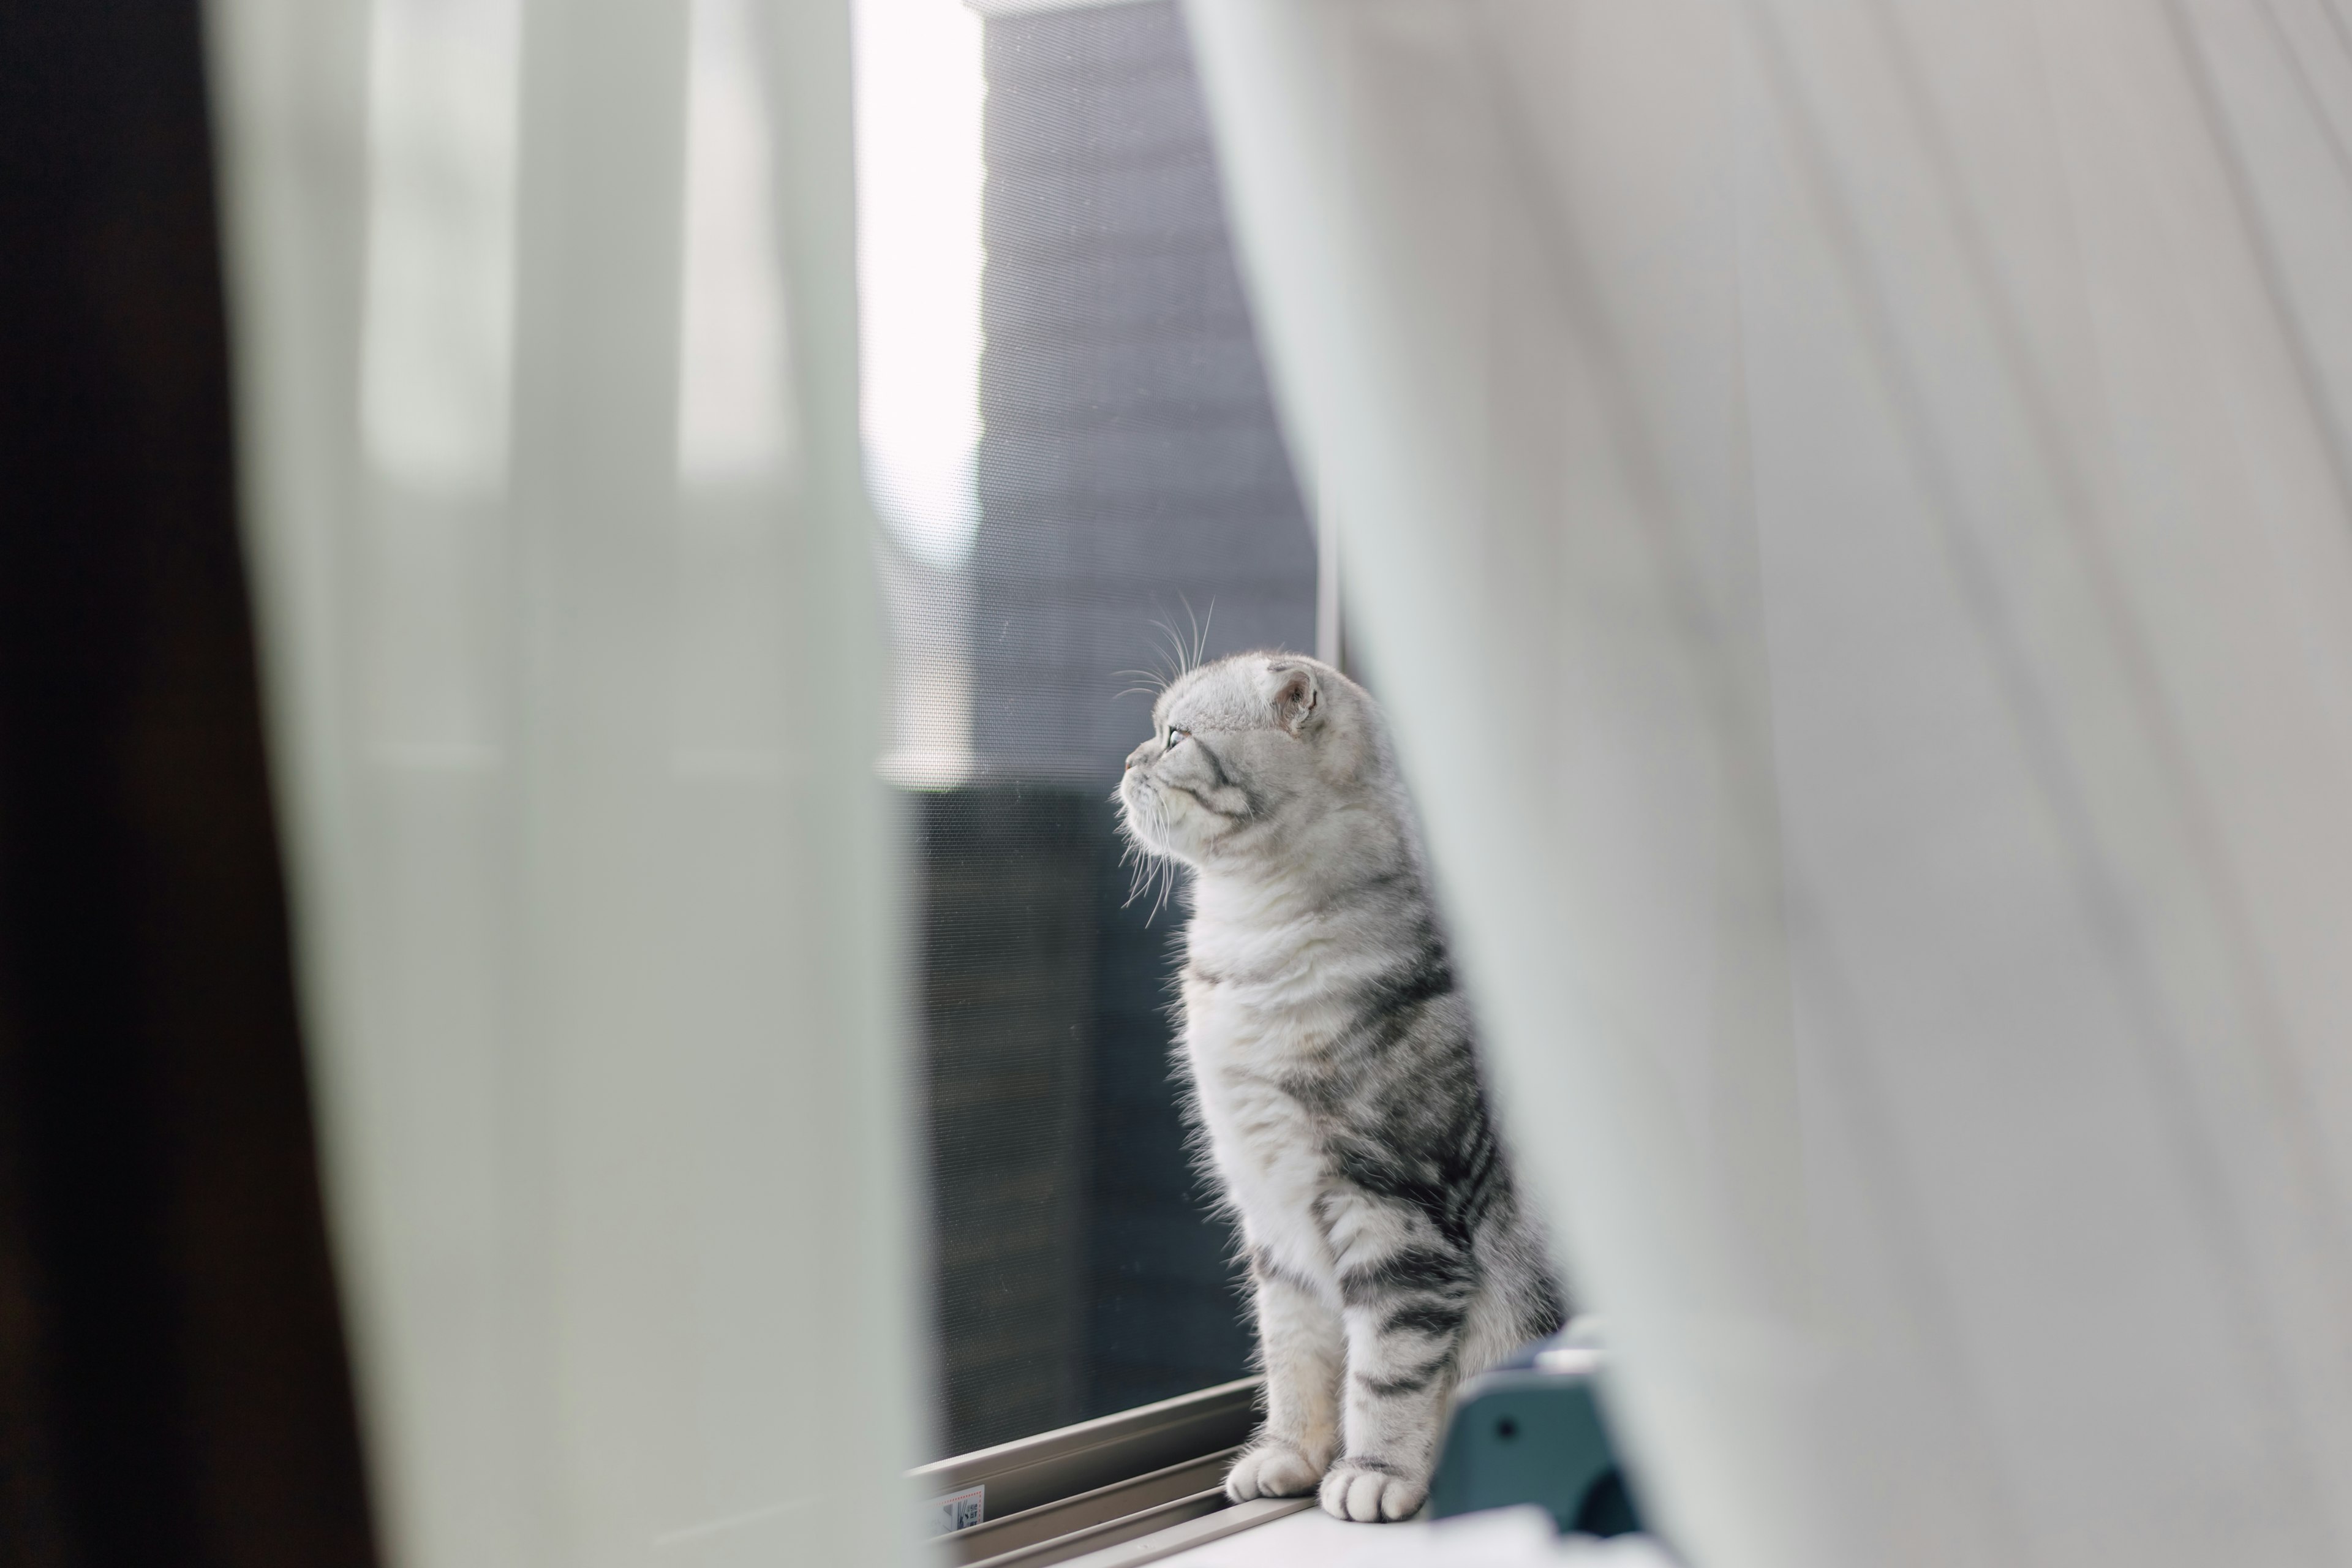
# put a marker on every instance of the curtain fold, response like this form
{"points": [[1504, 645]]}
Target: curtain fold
{"points": [[578, 735], [1848, 504]]}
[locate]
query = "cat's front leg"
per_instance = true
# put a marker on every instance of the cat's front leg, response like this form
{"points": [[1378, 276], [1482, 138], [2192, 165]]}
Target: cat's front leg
{"points": [[1300, 1345], [1403, 1319]]}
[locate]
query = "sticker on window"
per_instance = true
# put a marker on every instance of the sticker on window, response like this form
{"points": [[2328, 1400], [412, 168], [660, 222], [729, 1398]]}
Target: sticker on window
{"points": [[958, 1510]]}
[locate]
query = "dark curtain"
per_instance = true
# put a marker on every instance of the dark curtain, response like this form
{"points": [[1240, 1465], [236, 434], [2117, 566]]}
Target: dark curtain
{"points": [[173, 1383]]}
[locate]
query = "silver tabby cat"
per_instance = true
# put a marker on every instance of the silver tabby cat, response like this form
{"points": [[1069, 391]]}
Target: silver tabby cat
{"points": [[1336, 1076]]}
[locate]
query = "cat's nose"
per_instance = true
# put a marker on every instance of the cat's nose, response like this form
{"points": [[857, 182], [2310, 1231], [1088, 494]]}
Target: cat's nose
{"points": [[1136, 755]]}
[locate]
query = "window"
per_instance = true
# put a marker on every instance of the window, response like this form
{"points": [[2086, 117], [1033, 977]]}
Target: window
{"points": [[1080, 475]]}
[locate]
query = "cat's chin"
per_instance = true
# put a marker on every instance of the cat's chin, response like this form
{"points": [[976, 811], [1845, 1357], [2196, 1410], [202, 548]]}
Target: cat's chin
{"points": [[1195, 851], [1157, 846], [1177, 845], [1148, 826]]}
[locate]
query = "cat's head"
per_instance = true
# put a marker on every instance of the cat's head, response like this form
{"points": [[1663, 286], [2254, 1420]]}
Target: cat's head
{"points": [[1257, 761]]}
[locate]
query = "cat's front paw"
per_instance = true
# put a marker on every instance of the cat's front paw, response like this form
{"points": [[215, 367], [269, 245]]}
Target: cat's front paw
{"points": [[1368, 1492], [1271, 1470]]}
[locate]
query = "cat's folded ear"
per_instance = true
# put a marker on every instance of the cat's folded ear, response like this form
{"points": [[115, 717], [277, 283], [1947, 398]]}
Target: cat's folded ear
{"points": [[1298, 697]]}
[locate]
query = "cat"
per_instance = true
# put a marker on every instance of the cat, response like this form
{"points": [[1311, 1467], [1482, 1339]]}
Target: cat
{"points": [[1335, 1079]]}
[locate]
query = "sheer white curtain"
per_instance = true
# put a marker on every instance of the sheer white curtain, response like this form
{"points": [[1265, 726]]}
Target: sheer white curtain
{"points": [[1848, 502], [563, 561]]}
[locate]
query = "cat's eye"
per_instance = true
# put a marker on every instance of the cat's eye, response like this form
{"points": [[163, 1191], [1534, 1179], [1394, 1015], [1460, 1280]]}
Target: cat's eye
{"points": [[1174, 735]]}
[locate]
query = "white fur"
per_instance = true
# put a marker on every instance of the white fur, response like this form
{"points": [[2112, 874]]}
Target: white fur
{"points": [[1270, 777]]}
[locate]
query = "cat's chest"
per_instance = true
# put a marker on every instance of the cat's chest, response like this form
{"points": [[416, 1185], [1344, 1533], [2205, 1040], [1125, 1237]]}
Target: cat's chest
{"points": [[1268, 1145]]}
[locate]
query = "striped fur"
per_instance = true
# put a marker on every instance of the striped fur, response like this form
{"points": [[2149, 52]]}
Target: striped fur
{"points": [[1335, 1077]]}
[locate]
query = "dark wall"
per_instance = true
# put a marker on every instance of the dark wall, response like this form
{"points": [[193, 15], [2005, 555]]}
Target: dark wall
{"points": [[1131, 478], [172, 1381], [1009, 996]]}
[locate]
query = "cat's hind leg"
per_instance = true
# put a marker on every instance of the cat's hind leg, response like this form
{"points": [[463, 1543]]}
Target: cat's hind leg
{"points": [[1301, 1347]]}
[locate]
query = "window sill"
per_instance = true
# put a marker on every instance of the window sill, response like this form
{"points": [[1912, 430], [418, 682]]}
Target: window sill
{"points": [[1301, 1535], [1176, 1542]]}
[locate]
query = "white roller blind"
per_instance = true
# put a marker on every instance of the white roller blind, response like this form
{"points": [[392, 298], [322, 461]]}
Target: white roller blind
{"points": [[1848, 503], [575, 701]]}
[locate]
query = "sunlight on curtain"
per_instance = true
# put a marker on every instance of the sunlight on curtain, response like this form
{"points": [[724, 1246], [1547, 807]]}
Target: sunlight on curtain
{"points": [[545, 329], [732, 422], [439, 328], [1848, 502]]}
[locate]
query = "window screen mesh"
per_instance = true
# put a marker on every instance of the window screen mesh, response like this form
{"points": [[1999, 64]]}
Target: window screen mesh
{"points": [[1132, 485]]}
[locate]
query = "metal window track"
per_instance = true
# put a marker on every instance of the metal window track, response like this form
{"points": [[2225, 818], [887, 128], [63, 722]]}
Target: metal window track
{"points": [[1101, 1483]]}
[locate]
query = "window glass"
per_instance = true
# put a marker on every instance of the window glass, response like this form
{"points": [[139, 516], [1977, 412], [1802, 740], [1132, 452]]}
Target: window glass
{"points": [[1079, 474]]}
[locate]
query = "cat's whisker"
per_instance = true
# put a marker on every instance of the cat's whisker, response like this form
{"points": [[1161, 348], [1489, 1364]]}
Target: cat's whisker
{"points": [[1176, 666], [1167, 878], [1152, 683]]}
